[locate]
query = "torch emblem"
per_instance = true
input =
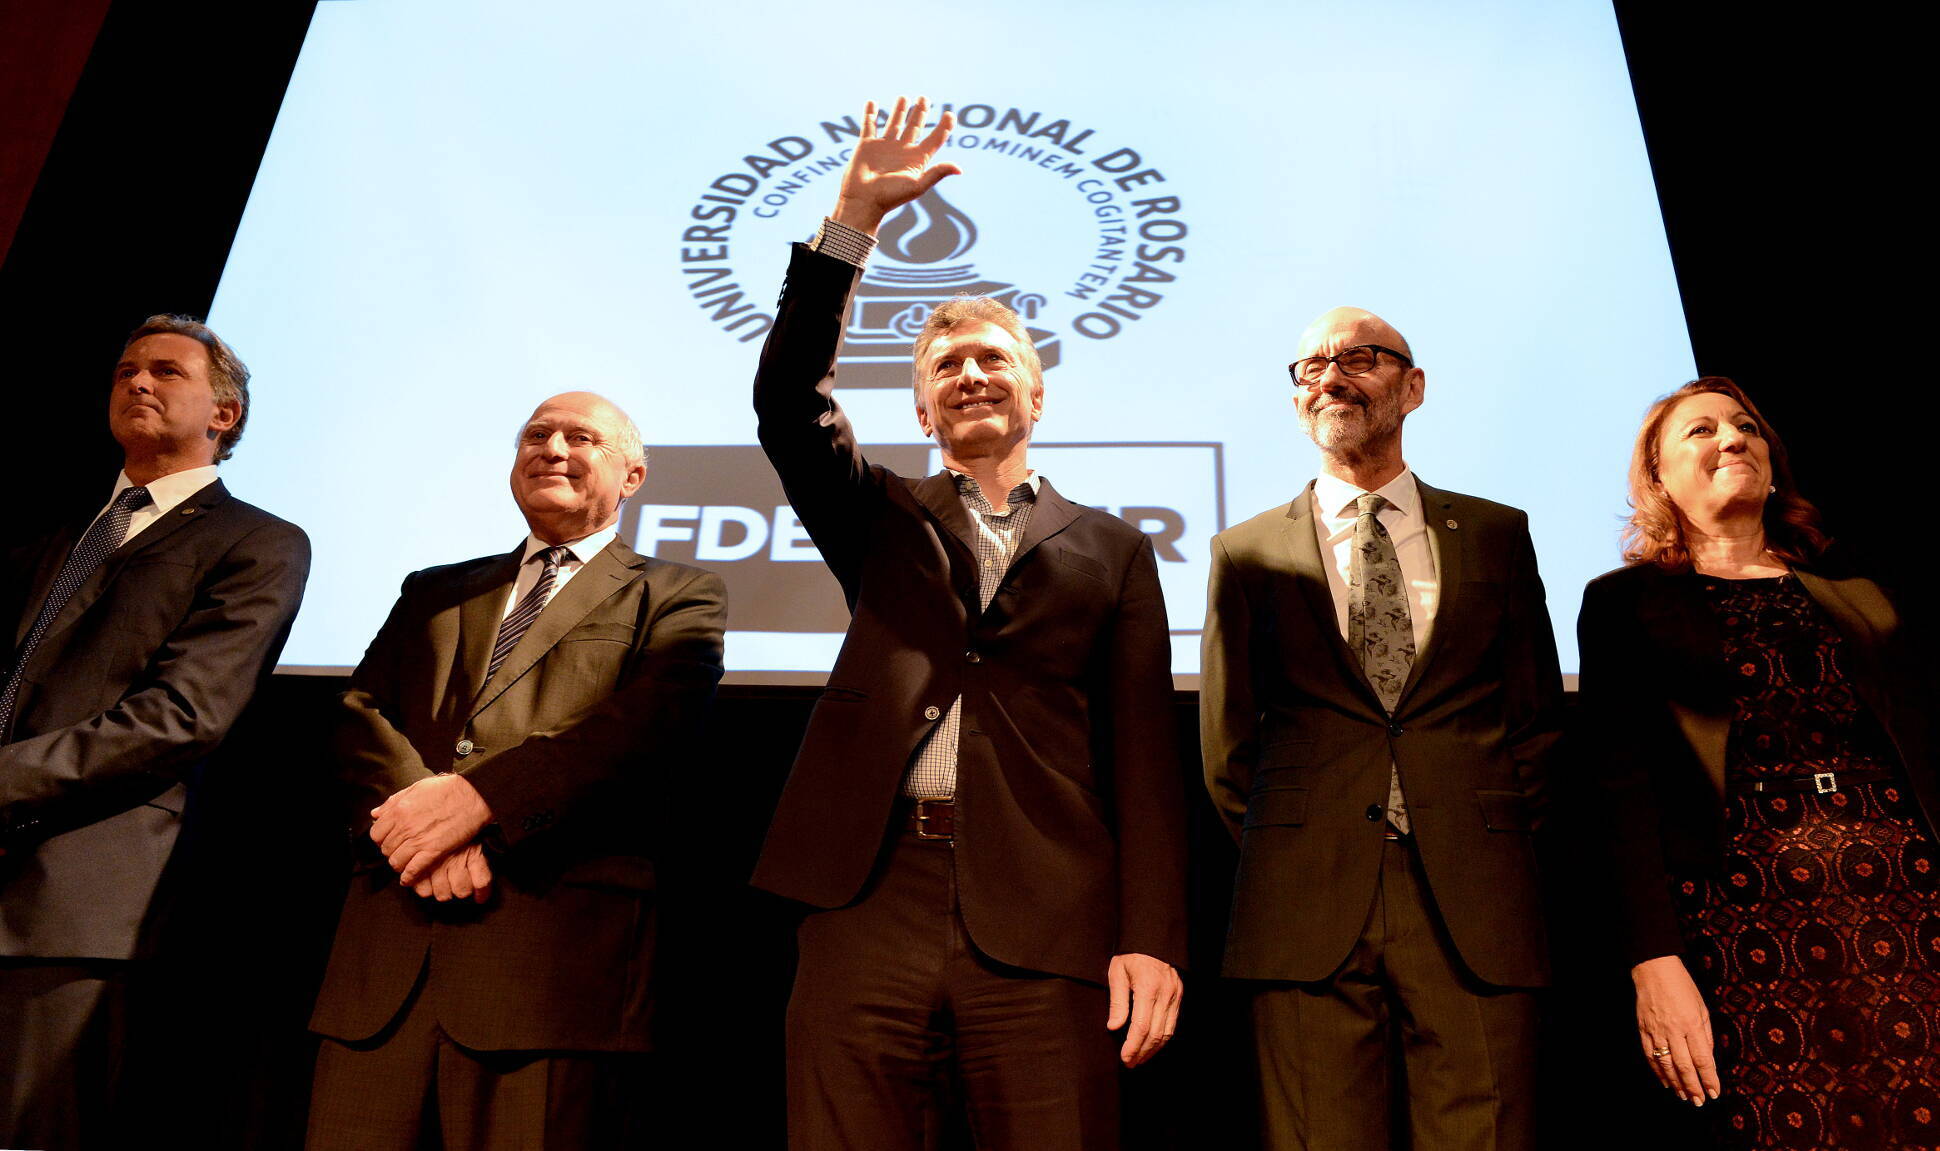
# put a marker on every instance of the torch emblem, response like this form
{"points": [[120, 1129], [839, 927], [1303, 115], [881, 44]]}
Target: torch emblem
{"points": [[920, 262]]}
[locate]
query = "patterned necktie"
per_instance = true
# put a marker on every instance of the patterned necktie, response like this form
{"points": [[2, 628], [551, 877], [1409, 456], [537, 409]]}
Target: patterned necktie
{"points": [[515, 625], [1379, 628], [104, 535]]}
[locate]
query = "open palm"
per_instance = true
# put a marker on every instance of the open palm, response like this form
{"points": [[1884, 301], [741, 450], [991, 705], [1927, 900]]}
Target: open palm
{"points": [[892, 167]]}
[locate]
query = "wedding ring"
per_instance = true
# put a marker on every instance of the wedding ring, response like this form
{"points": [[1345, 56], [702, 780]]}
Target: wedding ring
{"points": [[1659, 1052]]}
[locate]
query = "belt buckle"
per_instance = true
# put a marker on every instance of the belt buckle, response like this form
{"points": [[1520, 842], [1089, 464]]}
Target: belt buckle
{"points": [[920, 812], [1825, 782]]}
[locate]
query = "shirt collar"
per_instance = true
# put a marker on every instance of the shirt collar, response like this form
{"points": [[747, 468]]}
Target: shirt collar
{"points": [[167, 491], [1334, 498], [966, 486], [583, 549]]}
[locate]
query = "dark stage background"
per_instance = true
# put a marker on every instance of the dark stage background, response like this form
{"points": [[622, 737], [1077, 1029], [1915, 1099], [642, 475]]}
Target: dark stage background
{"points": [[1780, 146]]}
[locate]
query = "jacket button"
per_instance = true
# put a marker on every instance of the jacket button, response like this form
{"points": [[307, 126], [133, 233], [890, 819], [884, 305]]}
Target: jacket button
{"points": [[464, 747], [1395, 729], [932, 712], [972, 657], [1374, 812]]}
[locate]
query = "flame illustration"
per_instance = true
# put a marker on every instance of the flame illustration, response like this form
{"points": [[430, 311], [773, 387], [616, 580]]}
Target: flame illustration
{"points": [[929, 230]]}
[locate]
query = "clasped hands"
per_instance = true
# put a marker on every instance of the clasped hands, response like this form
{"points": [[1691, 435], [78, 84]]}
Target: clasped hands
{"points": [[428, 833]]}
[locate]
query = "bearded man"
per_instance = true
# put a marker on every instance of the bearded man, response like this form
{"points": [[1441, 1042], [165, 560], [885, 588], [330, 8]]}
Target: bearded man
{"points": [[1379, 694]]}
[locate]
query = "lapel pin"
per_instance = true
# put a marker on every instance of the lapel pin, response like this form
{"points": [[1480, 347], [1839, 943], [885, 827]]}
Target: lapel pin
{"points": [[188, 511], [1451, 524]]}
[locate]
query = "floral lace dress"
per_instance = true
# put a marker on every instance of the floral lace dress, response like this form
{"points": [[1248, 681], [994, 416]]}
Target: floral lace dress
{"points": [[1819, 950]]}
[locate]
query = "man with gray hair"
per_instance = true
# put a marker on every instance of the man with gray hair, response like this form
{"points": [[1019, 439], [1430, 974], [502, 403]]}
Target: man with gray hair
{"points": [[986, 818], [138, 636], [505, 742]]}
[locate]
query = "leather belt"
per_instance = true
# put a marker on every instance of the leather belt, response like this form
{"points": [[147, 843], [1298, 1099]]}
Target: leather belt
{"points": [[930, 817], [1823, 782]]}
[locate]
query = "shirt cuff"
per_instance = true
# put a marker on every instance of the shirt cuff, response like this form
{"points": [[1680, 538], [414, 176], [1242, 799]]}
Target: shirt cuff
{"points": [[843, 242]]}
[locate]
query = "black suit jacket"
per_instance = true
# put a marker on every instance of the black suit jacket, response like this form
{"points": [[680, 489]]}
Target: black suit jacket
{"points": [[1070, 813], [567, 744], [135, 683], [1656, 707], [1297, 746]]}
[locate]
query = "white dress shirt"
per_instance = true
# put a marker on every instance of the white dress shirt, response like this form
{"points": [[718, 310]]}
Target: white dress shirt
{"points": [[164, 496], [580, 553], [1334, 516]]}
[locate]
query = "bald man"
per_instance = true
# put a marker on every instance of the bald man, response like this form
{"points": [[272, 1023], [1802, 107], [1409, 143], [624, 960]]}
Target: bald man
{"points": [[505, 741], [1379, 693]]}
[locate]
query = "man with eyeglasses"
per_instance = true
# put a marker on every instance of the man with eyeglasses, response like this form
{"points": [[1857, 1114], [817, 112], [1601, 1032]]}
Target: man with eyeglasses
{"points": [[1379, 694]]}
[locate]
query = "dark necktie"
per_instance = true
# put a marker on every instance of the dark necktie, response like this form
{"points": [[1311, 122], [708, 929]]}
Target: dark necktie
{"points": [[104, 535], [1379, 628], [515, 625]]}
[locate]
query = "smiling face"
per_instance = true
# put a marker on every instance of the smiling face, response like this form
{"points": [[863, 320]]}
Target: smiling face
{"points": [[162, 410], [1356, 416], [576, 462], [1713, 460], [978, 396]]}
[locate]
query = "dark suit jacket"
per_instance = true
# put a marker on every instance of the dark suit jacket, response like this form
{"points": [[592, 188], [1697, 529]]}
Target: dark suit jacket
{"points": [[1656, 707], [1297, 746], [600, 698], [1070, 813], [135, 683]]}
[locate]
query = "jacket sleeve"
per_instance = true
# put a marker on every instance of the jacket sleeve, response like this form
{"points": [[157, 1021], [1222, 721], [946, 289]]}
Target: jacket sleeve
{"points": [[374, 758], [1148, 787], [650, 720], [1623, 727], [1534, 679], [802, 428], [1229, 710], [196, 683]]}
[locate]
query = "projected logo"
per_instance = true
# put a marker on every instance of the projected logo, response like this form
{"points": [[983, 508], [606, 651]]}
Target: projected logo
{"points": [[1077, 232], [723, 508]]}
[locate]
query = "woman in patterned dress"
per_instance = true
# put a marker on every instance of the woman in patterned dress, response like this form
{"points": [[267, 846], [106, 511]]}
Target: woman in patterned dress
{"points": [[1758, 722]]}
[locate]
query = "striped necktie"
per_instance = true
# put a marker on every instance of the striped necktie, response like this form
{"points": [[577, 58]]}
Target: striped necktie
{"points": [[104, 535], [515, 625]]}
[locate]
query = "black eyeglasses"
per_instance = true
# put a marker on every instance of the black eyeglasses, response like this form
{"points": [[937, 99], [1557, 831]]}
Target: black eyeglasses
{"points": [[1355, 361]]}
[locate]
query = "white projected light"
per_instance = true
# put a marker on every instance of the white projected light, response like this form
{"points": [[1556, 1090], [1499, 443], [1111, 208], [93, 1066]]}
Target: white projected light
{"points": [[459, 215]]}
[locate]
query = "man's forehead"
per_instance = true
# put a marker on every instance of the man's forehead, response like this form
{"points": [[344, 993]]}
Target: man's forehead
{"points": [[974, 333], [156, 346], [578, 409], [1347, 328]]}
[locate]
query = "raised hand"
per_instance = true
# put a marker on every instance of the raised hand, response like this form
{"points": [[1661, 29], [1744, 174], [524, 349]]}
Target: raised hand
{"points": [[890, 169]]}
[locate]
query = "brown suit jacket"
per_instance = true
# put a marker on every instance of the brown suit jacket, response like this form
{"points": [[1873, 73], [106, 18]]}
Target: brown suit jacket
{"points": [[1070, 841], [600, 699], [1297, 746], [1656, 709]]}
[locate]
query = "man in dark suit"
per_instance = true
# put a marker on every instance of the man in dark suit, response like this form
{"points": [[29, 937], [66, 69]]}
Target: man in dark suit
{"points": [[1382, 789], [986, 816], [506, 738], [139, 636]]}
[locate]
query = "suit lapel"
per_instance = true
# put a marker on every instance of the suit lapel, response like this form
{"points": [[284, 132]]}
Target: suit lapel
{"points": [[51, 558], [1446, 546], [606, 573], [1310, 577], [938, 493], [1862, 630], [1052, 515], [188, 511], [479, 615]]}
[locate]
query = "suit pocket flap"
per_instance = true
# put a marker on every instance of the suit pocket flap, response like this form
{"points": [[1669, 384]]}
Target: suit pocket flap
{"points": [[1504, 810], [617, 632], [1277, 807]]}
